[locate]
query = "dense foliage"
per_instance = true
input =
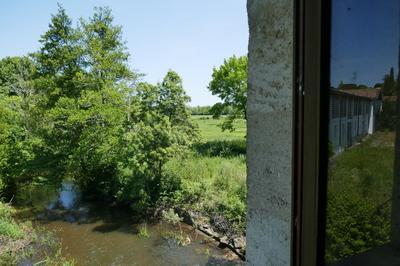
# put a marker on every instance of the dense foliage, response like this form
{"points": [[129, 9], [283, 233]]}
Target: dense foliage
{"points": [[214, 188], [359, 198], [75, 109], [229, 83], [386, 119]]}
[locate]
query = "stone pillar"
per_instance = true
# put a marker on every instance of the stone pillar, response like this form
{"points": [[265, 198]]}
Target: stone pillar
{"points": [[269, 135]]}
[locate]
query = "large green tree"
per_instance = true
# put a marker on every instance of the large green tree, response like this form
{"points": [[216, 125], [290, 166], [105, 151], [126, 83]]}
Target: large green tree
{"points": [[105, 53], [18, 122], [229, 83], [60, 59], [77, 110]]}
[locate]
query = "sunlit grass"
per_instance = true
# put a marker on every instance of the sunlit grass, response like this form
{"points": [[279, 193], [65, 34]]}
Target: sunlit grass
{"points": [[210, 129]]}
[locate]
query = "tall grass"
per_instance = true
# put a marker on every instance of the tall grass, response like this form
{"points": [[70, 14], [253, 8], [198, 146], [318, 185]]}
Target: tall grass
{"points": [[212, 186], [20, 242]]}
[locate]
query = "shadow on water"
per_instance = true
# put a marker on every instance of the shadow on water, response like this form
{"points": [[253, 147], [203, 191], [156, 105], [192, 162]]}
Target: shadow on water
{"points": [[92, 233]]}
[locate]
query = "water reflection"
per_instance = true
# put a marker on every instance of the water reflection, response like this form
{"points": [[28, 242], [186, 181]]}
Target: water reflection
{"points": [[92, 233], [68, 197]]}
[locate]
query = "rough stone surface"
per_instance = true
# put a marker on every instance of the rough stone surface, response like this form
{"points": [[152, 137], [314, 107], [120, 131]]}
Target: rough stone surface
{"points": [[269, 135]]}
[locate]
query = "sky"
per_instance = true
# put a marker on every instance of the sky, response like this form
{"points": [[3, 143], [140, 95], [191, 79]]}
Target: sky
{"points": [[190, 37], [365, 40]]}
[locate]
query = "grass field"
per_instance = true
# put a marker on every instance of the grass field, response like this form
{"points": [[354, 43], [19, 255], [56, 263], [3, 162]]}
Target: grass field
{"points": [[212, 182], [359, 197], [210, 129]]}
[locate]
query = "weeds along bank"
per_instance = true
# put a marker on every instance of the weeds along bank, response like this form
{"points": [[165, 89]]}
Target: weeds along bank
{"points": [[21, 243], [214, 187]]}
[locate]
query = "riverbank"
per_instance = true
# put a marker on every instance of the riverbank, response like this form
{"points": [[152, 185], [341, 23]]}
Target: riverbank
{"points": [[211, 196], [21, 243], [95, 232]]}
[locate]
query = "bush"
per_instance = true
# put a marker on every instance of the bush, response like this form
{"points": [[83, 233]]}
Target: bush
{"points": [[354, 225], [223, 148], [386, 119], [359, 193], [208, 185], [8, 227]]}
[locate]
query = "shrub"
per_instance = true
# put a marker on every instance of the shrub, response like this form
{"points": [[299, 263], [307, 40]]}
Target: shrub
{"points": [[354, 225], [210, 186], [223, 148], [359, 193]]}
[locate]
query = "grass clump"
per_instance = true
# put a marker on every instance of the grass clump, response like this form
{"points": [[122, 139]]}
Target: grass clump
{"points": [[20, 242], [143, 233], [8, 227]]}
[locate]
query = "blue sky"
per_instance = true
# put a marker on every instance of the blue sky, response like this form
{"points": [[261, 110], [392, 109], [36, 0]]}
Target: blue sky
{"points": [[189, 37], [365, 40]]}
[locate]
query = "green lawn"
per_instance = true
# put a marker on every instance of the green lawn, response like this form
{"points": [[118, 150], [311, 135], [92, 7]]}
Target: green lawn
{"points": [[210, 129]]}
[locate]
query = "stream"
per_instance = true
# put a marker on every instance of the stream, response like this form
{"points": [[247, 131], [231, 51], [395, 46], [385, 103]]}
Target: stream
{"points": [[98, 234]]}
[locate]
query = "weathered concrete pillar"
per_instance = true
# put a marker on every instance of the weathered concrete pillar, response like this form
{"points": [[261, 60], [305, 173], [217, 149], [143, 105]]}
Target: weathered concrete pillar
{"points": [[269, 137]]}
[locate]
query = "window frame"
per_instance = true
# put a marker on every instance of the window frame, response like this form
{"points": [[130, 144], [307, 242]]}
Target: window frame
{"points": [[311, 130]]}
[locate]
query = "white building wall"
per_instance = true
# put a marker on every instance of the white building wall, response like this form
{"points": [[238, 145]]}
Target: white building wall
{"points": [[358, 120], [371, 125]]}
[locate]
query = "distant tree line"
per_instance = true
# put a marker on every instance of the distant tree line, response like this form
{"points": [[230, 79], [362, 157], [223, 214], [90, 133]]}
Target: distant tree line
{"points": [[208, 110], [200, 110]]}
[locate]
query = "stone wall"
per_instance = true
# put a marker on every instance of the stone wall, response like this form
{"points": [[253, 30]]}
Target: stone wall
{"points": [[269, 137]]}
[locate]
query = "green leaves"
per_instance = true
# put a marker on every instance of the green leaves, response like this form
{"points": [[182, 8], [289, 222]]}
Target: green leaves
{"points": [[73, 112], [229, 83]]}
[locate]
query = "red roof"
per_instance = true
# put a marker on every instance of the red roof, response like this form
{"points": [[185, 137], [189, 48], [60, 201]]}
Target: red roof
{"points": [[371, 94]]}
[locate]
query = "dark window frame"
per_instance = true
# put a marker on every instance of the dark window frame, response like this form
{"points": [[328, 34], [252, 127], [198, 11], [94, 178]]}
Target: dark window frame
{"points": [[311, 130]]}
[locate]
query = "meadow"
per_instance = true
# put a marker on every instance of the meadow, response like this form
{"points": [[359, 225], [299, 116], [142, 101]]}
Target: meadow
{"points": [[210, 130], [212, 180]]}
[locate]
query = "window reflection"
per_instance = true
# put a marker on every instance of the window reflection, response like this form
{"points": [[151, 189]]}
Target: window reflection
{"points": [[363, 208]]}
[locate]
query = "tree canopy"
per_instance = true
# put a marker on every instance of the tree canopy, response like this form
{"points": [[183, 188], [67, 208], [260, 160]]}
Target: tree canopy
{"points": [[75, 109], [229, 83]]}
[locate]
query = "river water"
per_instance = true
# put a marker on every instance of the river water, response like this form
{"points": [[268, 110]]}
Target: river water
{"points": [[97, 234]]}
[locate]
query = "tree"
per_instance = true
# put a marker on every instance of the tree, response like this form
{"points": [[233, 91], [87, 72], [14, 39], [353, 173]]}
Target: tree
{"points": [[229, 83], [16, 74], [59, 60], [105, 53], [389, 84], [18, 122], [76, 110], [163, 126]]}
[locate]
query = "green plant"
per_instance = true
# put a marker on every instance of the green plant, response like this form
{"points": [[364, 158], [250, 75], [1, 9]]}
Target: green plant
{"points": [[359, 193], [208, 186], [143, 232]]}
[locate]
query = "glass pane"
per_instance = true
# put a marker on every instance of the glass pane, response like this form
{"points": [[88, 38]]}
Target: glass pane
{"points": [[363, 208]]}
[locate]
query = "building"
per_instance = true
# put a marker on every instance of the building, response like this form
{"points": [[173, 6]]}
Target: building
{"points": [[352, 115]]}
